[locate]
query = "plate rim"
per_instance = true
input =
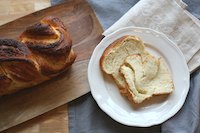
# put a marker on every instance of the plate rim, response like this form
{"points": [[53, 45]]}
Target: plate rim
{"points": [[172, 113]]}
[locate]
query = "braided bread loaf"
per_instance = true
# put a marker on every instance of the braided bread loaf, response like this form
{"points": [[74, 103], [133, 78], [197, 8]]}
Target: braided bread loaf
{"points": [[42, 51]]}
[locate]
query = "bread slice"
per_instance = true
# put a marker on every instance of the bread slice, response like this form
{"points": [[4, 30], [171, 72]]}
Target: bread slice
{"points": [[151, 77], [137, 74], [115, 54]]}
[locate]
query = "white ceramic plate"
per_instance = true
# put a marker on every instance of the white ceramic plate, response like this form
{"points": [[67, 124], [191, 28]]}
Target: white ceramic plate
{"points": [[155, 110]]}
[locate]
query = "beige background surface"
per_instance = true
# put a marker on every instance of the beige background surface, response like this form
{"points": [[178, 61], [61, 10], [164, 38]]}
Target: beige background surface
{"points": [[13, 9]]}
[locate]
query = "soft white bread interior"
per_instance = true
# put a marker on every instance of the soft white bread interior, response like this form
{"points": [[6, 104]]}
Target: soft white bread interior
{"points": [[151, 77], [138, 74], [133, 92], [145, 68], [163, 82], [114, 56]]}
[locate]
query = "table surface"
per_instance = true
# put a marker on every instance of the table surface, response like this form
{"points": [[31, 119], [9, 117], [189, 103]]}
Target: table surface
{"points": [[55, 121]]}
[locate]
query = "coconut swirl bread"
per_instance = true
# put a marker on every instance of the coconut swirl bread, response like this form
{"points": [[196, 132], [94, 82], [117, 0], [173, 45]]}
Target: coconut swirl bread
{"points": [[138, 74], [42, 51]]}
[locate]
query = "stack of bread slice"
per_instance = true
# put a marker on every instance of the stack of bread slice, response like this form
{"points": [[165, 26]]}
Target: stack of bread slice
{"points": [[138, 74]]}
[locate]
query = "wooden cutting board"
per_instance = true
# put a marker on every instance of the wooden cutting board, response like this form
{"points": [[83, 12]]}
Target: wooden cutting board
{"points": [[86, 32]]}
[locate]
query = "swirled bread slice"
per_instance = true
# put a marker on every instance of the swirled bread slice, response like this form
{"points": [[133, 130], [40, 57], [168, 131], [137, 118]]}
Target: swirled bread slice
{"points": [[138, 74], [115, 54], [146, 76]]}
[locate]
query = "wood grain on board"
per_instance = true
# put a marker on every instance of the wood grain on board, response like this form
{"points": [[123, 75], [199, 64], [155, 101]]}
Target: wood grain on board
{"points": [[86, 32]]}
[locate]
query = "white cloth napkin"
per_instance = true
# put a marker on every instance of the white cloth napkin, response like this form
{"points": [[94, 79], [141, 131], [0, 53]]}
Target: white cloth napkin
{"points": [[169, 17]]}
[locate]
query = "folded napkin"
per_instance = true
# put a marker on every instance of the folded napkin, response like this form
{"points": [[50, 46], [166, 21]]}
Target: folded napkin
{"points": [[169, 17]]}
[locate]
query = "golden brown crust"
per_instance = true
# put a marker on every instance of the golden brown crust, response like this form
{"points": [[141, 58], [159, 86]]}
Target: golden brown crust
{"points": [[53, 21], [11, 50], [49, 35], [51, 47], [27, 74], [17, 66], [47, 69], [14, 54], [44, 50]]}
